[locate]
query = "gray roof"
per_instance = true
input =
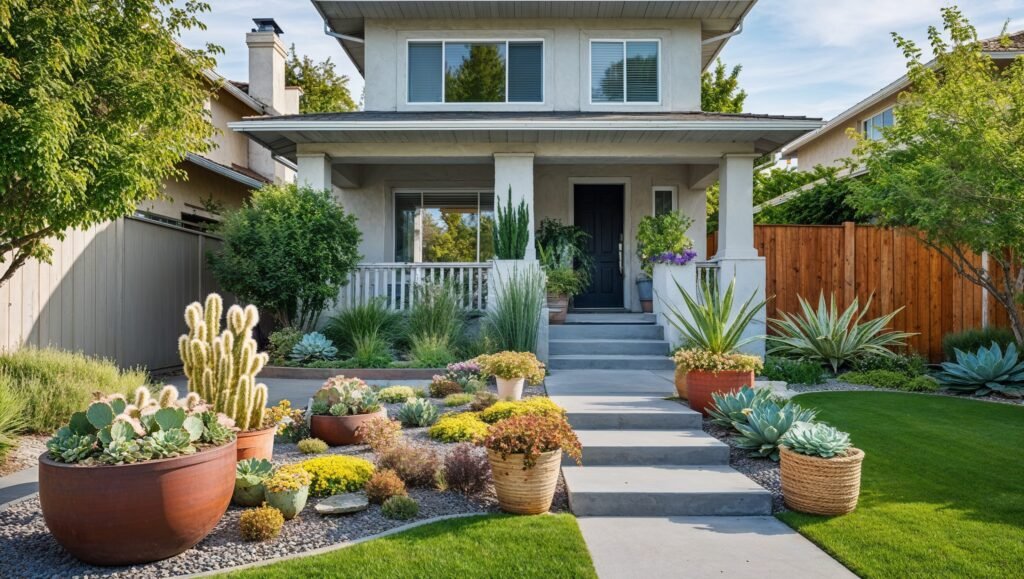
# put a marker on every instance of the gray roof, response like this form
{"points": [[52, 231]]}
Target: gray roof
{"points": [[391, 116]]}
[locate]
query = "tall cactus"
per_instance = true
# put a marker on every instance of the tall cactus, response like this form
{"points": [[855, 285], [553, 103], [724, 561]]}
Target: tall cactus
{"points": [[221, 366]]}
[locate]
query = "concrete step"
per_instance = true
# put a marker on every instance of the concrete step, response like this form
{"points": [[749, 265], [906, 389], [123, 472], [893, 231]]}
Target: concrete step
{"points": [[663, 491], [616, 318], [608, 347], [624, 412], [606, 332], [607, 362], [650, 447]]}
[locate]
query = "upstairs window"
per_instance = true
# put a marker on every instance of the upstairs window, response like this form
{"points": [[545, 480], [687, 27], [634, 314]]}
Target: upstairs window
{"points": [[624, 71], [873, 127], [508, 71]]}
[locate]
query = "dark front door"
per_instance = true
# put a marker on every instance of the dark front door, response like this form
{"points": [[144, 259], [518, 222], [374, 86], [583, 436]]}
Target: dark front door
{"points": [[598, 211]]}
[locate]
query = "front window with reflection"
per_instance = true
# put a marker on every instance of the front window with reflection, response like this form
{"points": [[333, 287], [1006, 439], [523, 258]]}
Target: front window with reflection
{"points": [[444, 226], [476, 72], [624, 71]]}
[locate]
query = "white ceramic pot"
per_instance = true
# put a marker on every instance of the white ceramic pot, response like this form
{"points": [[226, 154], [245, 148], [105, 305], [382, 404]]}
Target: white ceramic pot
{"points": [[510, 388]]}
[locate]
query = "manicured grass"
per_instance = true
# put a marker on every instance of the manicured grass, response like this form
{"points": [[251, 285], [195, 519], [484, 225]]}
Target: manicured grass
{"points": [[486, 546], [941, 492]]}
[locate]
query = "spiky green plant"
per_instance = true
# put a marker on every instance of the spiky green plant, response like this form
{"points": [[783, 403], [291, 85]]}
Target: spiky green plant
{"points": [[11, 420], [222, 366], [360, 321], [987, 371], [511, 324], [512, 230], [816, 439], [766, 424], [826, 336], [417, 412], [728, 408], [437, 311], [711, 324]]}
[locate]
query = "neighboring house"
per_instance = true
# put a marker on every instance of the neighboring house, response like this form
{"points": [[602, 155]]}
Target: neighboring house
{"points": [[830, 144], [588, 111]]}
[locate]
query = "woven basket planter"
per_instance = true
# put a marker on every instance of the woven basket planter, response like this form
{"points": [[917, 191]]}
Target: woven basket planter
{"points": [[821, 486], [525, 492]]}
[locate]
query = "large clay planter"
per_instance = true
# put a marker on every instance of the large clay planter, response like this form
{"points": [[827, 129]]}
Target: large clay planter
{"points": [[136, 513], [290, 503], [700, 385], [510, 388], [558, 308], [820, 486], [680, 379], [256, 443], [525, 492], [341, 430]]}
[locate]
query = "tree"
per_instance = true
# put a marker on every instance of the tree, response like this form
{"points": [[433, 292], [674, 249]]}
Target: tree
{"points": [[288, 250], [767, 186], [952, 165], [479, 79], [98, 105], [826, 203], [454, 242], [323, 89], [720, 92]]}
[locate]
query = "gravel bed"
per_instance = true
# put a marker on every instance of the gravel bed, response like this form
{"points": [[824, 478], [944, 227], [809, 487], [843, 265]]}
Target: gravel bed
{"points": [[25, 455], [763, 471]]}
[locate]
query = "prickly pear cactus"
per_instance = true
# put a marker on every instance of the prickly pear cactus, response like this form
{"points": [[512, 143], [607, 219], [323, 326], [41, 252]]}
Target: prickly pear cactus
{"points": [[221, 366]]}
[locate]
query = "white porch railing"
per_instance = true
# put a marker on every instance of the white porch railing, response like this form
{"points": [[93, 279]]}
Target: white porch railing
{"points": [[707, 272], [396, 283]]}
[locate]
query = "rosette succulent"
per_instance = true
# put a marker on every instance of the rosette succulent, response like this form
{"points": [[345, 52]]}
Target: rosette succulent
{"points": [[766, 424], [987, 371], [312, 347], [819, 440], [341, 396]]}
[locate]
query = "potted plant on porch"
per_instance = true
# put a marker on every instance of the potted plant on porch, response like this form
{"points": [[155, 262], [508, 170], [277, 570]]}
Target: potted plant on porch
{"points": [[660, 235], [511, 370], [820, 469], [713, 334], [563, 254], [340, 407], [562, 284]]}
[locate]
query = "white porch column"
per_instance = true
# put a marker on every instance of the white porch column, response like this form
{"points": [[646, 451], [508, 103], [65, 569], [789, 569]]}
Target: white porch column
{"points": [[737, 257], [314, 171], [515, 171]]}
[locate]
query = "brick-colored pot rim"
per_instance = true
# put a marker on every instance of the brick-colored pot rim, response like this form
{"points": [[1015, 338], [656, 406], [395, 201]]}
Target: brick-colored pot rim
{"points": [[203, 454]]}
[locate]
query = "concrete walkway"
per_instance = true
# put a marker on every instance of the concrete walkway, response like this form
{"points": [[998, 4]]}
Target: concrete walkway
{"points": [[18, 485]]}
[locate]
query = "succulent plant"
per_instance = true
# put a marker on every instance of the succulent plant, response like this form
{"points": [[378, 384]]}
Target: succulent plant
{"points": [[984, 372], [766, 424], [395, 394], [818, 439], [312, 347], [221, 366], [252, 471], [417, 412], [341, 396], [728, 408]]}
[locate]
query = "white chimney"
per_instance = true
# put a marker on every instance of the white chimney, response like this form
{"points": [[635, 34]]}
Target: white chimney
{"points": [[266, 84]]}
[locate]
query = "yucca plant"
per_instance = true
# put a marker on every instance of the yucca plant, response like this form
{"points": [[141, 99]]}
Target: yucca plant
{"points": [[826, 336], [712, 325], [989, 370]]}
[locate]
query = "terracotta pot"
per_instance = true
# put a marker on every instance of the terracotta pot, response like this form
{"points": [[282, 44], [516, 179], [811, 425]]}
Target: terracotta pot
{"points": [[256, 443], [525, 492], [681, 383], [290, 503], [820, 486], [700, 385], [558, 308], [341, 430], [510, 388], [136, 513], [647, 306]]}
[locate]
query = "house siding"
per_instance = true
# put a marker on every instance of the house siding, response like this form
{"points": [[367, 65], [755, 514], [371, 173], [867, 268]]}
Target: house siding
{"points": [[830, 148]]}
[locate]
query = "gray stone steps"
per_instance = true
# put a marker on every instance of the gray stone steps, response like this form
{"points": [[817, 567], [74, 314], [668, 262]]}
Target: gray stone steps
{"points": [[625, 412], [608, 347], [663, 491], [610, 318], [606, 332], [609, 362], [650, 447]]}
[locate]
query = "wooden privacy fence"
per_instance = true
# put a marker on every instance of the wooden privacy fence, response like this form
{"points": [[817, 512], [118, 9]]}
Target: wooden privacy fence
{"points": [[863, 260]]}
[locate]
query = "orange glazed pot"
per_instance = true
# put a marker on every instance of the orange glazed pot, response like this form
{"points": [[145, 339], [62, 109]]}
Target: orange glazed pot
{"points": [[136, 513], [700, 385], [341, 430], [256, 443]]}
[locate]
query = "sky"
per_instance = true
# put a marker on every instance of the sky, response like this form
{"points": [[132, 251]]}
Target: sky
{"points": [[799, 57]]}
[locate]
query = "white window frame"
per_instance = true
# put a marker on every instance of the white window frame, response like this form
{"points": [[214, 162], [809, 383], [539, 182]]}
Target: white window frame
{"points": [[445, 41], [625, 81], [426, 191], [654, 197], [864, 122]]}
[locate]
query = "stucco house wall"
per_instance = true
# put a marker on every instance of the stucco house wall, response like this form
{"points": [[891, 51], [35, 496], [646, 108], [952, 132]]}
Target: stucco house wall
{"points": [[831, 147]]}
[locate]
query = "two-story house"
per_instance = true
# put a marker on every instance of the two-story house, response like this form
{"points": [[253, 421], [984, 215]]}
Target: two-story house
{"points": [[588, 111]]}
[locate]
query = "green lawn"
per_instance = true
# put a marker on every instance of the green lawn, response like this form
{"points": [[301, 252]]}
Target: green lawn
{"points": [[942, 493], [486, 546]]}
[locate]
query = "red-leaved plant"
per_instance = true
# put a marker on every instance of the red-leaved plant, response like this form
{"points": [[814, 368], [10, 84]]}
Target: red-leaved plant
{"points": [[532, 436]]}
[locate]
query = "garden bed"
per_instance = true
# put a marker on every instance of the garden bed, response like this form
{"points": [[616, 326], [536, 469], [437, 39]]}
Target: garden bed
{"points": [[368, 374]]}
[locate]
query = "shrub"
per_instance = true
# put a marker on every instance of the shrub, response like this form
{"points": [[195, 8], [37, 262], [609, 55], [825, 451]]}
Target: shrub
{"points": [[766, 424], [436, 312], [54, 384], [401, 508], [826, 336], [442, 386], [312, 446], [512, 323], [312, 347], [534, 406], [337, 474], [466, 469], [987, 371], [281, 344], [417, 412], [383, 485], [819, 440], [370, 351], [460, 399], [793, 371], [971, 341], [922, 384], [483, 400], [431, 351], [511, 365], [12, 406], [665, 233], [260, 524], [532, 436], [380, 433], [417, 465], [728, 408], [564, 281], [396, 394], [877, 378], [708, 361], [372, 318], [909, 365], [462, 427]]}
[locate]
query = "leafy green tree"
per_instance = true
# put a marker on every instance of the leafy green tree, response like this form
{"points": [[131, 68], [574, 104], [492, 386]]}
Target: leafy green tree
{"points": [[952, 165], [98, 105], [767, 186], [480, 78], [323, 89], [826, 203], [720, 91], [288, 250]]}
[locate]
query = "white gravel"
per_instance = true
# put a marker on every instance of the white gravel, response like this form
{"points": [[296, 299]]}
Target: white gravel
{"points": [[25, 455]]}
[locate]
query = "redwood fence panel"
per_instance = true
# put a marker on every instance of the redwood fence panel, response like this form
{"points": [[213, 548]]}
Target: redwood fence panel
{"points": [[890, 266]]}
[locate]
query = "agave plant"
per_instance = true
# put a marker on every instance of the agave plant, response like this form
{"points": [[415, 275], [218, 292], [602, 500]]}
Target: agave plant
{"points": [[816, 439], [728, 408], [766, 424], [986, 371], [313, 346], [826, 336], [711, 324]]}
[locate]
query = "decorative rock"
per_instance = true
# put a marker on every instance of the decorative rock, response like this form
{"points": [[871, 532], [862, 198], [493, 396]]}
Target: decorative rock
{"points": [[777, 387], [343, 504]]}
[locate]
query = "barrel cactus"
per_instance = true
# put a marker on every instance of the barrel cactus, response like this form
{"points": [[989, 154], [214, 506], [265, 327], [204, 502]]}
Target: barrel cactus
{"points": [[221, 366]]}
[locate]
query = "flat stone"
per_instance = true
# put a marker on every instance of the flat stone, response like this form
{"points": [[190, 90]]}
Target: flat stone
{"points": [[343, 504]]}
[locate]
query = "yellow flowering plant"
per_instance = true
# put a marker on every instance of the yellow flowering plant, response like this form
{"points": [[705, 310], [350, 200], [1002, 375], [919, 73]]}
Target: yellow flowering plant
{"points": [[511, 365], [288, 478], [705, 361], [337, 474], [533, 406]]}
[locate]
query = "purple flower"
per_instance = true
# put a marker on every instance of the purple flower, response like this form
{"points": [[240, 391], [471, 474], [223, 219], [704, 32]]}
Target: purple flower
{"points": [[673, 258]]}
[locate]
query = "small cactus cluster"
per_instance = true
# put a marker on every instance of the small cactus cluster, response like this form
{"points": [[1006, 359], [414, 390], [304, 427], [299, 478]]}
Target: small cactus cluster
{"points": [[221, 366], [341, 396], [417, 412]]}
